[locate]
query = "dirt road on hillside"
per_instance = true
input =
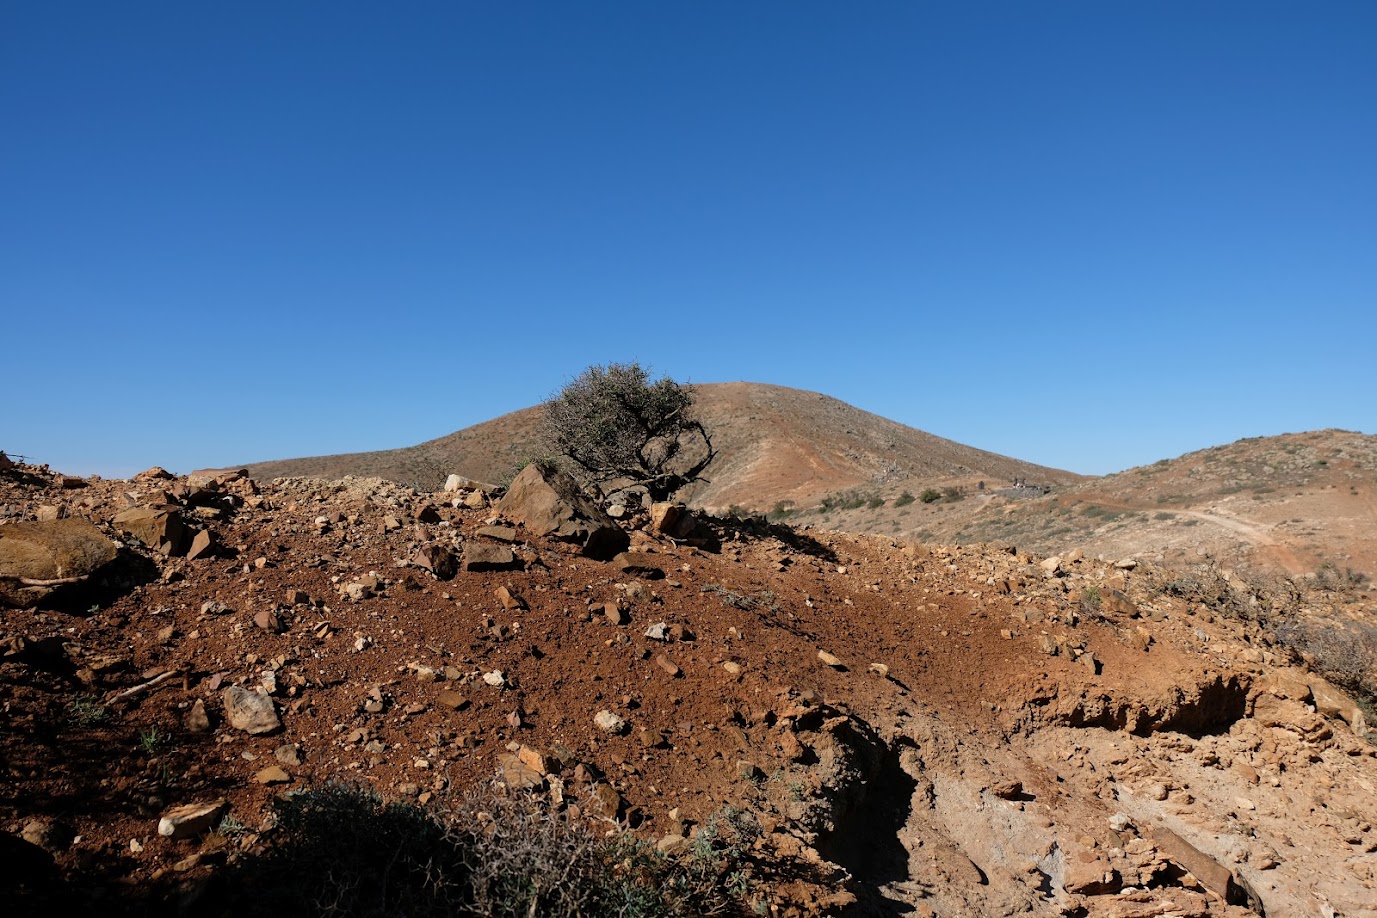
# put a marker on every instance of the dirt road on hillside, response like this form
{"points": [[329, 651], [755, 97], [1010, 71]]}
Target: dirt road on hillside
{"points": [[1256, 534]]}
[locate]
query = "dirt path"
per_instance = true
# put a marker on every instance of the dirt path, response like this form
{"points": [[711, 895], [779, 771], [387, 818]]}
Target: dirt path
{"points": [[1254, 533]]}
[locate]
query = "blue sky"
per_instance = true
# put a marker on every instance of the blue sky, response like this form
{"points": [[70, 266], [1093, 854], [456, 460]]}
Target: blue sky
{"points": [[1087, 235]]}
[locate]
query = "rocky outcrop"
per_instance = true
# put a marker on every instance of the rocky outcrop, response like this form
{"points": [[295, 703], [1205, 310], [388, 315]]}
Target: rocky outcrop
{"points": [[550, 503]]}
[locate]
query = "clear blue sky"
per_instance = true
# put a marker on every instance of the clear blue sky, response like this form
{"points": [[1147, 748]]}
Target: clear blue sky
{"points": [[1089, 235]]}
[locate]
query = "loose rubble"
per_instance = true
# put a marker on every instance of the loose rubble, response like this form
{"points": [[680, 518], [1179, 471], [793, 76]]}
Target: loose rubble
{"points": [[935, 730]]}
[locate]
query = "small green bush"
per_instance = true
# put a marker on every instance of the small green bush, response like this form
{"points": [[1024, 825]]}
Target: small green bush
{"points": [[782, 511], [930, 496], [87, 711], [904, 499]]}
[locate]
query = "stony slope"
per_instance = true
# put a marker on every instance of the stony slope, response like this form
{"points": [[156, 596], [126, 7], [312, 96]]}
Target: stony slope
{"points": [[774, 444], [1298, 503], [1040, 736]]}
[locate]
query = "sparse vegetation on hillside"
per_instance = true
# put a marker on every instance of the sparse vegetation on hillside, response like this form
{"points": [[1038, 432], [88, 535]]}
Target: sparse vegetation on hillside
{"points": [[614, 424], [340, 851]]}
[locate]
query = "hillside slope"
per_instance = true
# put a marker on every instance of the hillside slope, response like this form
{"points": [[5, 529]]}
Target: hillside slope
{"points": [[774, 444], [916, 730], [1298, 503]]}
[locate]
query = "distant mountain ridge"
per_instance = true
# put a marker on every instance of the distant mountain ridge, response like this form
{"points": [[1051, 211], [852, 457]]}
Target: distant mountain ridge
{"points": [[775, 444]]}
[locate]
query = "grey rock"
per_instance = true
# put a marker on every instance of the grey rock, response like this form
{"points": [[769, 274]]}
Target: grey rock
{"points": [[250, 711]]}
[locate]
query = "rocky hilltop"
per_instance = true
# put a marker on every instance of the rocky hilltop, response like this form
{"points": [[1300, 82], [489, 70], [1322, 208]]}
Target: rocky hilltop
{"points": [[774, 444], [911, 729]]}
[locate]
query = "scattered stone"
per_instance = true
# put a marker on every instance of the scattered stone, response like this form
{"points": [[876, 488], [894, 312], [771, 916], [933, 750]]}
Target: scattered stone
{"points": [[355, 591], [732, 667], [1214, 876], [460, 483], [250, 711], [480, 556], [673, 845], [437, 559], [516, 774], [510, 601], [202, 545], [603, 802], [550, 503], [1008, 790], [609, 723], [453, 700], [658, 632], [507, 534], [197, 720], [496, 678], [288, 754], [881, 669], [1116, 602], [666, 664], [539, 760], [616, 614], [49, 834], [639, 564], [679, 632], [273, 774], [159, 529], [672, 519], [191, 820], [268, 620], [830, 660], [1089, 873]]}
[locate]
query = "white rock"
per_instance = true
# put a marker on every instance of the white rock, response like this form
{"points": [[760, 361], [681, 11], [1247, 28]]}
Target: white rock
{"points": [[609, 723]]}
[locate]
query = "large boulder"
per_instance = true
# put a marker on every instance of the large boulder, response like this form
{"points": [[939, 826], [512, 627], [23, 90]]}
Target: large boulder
{"points": [[550, 503], [158, 528], [46, 554]]}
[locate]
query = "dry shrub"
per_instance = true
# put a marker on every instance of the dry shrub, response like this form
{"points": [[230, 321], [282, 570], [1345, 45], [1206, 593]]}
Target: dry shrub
{"points": [[342, 852], [1345, 652]]}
